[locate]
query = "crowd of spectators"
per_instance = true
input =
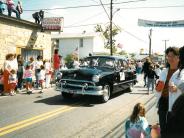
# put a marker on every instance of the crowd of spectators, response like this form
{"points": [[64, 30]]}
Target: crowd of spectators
{"points": [[11, 7]]}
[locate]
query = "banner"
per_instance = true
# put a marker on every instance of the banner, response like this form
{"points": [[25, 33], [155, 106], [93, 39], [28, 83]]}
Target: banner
{"points": [[53, 23], [147, 23]]}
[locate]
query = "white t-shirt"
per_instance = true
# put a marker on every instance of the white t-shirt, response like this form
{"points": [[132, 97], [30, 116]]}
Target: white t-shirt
{"points": [[76, 64], [13, 78], [176, 80], [41, 75], [38, 64], [14, 64], [47, 67]]}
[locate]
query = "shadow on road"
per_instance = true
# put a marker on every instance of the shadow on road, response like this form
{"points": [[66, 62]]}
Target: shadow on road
{"points": [[139, 93], [77, 100], [82, 100]]}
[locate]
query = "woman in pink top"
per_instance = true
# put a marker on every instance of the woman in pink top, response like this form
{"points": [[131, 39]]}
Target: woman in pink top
{"points": [[11, 8]]}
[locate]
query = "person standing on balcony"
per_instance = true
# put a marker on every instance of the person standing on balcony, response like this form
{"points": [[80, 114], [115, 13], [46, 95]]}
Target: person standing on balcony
{"points": [[19, 8], [11, 8], [2, 6]]}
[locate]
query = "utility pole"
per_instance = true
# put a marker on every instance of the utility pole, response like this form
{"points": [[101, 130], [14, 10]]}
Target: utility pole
{"points": [[165, 41], [111, 52], [150, 35]]}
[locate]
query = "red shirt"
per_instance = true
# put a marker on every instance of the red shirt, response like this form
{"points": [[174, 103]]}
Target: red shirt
{"points": [[56, 61]]}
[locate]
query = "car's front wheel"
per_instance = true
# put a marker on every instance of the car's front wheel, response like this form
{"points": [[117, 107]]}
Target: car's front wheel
{"points": [[106, 93], [67, 95]]}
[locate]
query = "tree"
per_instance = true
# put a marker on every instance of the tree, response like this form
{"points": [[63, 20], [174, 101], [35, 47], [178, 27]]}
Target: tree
{"points": [[132, 55], [69, 60], [106, 34], [123, 52]]}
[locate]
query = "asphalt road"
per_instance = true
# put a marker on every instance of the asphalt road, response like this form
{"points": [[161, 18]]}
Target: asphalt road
{"points": [[48, 115]]}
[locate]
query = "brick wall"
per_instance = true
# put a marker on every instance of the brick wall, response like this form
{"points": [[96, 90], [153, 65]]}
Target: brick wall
{"points": [[16, 34]]}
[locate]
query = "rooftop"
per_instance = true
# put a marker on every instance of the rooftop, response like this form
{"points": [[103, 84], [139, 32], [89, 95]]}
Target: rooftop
{"points": [[14, 20]]}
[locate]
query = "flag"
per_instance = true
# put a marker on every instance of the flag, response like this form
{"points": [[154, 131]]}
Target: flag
{"points": [[120, 45], [76, 51]]}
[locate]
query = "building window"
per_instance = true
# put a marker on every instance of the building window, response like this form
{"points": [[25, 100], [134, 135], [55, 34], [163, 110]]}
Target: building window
{"points": [[81, 42]]}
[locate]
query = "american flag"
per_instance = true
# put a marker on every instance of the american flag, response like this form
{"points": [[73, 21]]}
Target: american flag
{"points": [[76, 51], [120, 45]]}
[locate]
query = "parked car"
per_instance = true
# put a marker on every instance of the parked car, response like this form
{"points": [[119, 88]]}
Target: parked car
{"points": [[98, 76]]}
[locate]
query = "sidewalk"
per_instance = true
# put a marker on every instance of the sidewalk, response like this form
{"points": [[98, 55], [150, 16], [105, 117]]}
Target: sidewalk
{"points": [[151, 114], [35, 90]]}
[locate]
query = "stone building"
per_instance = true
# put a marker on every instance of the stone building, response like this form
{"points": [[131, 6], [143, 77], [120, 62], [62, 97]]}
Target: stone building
{"points": [[23, 37]]}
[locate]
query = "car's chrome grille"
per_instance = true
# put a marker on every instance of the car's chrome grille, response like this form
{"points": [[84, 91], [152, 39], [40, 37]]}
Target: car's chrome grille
{"points": [[77, 84]]}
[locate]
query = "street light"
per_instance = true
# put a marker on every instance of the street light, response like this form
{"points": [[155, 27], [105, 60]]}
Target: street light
{"points": [[150, 35], [165, 48]]}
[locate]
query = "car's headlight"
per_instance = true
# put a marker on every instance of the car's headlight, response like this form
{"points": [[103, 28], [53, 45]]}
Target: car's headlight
{"points": [[96, 78], [59, 75]]}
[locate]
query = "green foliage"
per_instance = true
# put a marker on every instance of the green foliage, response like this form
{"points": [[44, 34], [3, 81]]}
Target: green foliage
{"points": [[106, 34], [132, 55], [69, 58], [123, 52]]}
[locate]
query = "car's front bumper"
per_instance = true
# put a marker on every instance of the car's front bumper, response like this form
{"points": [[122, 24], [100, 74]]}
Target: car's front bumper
{"points": [[82, 89]]}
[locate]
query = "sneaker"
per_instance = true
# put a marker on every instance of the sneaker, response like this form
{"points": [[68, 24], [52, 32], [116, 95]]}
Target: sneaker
{"points": [[12, 93], [29, 92], [41, 91]]}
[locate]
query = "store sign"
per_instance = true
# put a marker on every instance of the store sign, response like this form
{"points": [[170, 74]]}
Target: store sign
{"points": [[147, 23], [53, 23]]}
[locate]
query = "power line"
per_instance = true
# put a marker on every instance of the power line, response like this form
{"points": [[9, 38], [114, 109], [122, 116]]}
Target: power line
{"points": [[82, 25], [104, 9], [94, 1], [136, 37], [84, 6], [98, 14], [156, 7]]}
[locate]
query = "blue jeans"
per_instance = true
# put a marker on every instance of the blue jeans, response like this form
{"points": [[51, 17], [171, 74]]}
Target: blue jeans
{"points": [[10, 10], [150, 82]]}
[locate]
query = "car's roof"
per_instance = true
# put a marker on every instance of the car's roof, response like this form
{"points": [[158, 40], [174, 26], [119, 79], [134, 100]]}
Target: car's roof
{"points": [[113, 57]]}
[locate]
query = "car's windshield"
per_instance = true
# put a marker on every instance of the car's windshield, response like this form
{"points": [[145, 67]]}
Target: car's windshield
{"points": [[99, 62]]}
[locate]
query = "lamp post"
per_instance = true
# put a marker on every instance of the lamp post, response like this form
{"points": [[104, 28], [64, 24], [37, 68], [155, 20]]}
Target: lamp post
{"points": [[165, 42], [150, 35]]}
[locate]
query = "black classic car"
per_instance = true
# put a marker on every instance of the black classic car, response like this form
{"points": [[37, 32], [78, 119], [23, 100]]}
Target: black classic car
{"points": [[98, 76]]}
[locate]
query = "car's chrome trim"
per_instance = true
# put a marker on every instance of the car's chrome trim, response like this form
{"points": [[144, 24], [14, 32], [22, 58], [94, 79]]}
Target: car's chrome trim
{"points": [[83, 91], [83, 81], [124, 82]]}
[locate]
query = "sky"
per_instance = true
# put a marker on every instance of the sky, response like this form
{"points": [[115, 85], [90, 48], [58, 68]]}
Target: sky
{"points": [[132, 37]]}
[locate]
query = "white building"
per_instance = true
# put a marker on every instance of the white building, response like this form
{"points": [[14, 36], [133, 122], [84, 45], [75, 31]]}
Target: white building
{"points": [[81, 44]]}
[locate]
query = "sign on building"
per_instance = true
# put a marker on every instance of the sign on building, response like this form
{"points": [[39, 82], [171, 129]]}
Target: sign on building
{"points": [[53, 23], [147, 23]]}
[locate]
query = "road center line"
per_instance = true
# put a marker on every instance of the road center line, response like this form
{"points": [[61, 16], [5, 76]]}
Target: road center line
{"points": [[33, 120]]}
